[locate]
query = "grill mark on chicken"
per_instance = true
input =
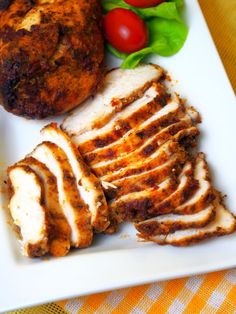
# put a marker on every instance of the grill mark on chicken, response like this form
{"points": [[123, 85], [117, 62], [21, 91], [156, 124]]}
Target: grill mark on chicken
{"points": [[75, 210]]}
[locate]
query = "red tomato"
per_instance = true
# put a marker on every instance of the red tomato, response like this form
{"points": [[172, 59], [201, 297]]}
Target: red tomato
{"points": [[125, 30], [144, 3]]}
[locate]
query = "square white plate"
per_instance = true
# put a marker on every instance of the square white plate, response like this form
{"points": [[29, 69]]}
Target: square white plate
{"points": [[120, 260]]}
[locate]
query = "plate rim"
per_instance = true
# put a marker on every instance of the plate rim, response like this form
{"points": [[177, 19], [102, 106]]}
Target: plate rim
{"points": [[122, 283]]}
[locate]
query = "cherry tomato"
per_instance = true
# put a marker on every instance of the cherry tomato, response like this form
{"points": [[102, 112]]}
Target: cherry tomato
{"points": [[144, 3], [125, 30]]}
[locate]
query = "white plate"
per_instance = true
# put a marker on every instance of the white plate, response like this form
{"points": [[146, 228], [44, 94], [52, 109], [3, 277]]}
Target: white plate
{"points": [[120, 260]]}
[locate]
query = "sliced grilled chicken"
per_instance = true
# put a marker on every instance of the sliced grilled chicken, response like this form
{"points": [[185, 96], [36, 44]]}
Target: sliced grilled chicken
{"points": [[134, 206], [162, 199], [172, 113], [159, 157], [224, 223], [193, 114], [137, 136], [149, 178], [88, 185], [177, 132], [154, 99], [199, 183], [27, 210], [186, 188], [75, 210], [59, 229], [115, 95], [170, 223], [205, 194]]}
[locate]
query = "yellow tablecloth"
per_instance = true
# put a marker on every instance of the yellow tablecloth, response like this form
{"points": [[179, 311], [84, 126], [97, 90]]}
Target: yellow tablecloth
{"points": [[212, 293]]}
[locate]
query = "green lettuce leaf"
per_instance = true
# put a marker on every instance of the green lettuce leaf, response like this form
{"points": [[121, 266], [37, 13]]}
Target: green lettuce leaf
{"points": [[116, 53], [168, 10], [179, 3], [132, 60], [166, 38], [167, 31]]}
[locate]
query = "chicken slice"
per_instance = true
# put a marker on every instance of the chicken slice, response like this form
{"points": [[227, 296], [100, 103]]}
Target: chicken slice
{"points": [[149, 147], [224, 223], [28, 211], [145, 130], [199, 184], [59, 229], [204, 195], [186, 188], [115, 95], [88, 184], [163, 199], [154, 99], [159, 157], [170, 223], [137, 136], [75, 210], [134, 206], [147, 179]]}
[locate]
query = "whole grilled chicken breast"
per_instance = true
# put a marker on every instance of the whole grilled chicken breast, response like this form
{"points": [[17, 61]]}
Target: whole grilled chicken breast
{"points": [[51, 55]]}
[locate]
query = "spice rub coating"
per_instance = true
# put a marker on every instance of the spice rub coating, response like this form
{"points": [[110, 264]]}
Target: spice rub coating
{"points": [[51, 55]]}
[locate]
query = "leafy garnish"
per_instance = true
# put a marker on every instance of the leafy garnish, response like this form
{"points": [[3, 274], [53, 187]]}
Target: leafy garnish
{"points": [[167, 31], [116, 53], [166, 39]]}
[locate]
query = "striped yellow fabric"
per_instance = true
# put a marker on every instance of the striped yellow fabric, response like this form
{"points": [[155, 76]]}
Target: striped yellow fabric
{"points": [[221, 19], [212, 293]]}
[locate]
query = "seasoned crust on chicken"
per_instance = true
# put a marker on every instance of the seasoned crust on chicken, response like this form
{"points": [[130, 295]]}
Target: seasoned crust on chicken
{"points": [[134, 138], [74, 208], [170, 223], [224, 223], [159, 157], [88, 184], [120, 89], [150, 146], [51, 55], [134, 206], [154, 99], [147, 179]]}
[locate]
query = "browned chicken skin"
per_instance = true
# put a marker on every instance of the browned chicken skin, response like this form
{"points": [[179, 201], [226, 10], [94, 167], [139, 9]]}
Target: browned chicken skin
{"points": [[51, 55]]}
